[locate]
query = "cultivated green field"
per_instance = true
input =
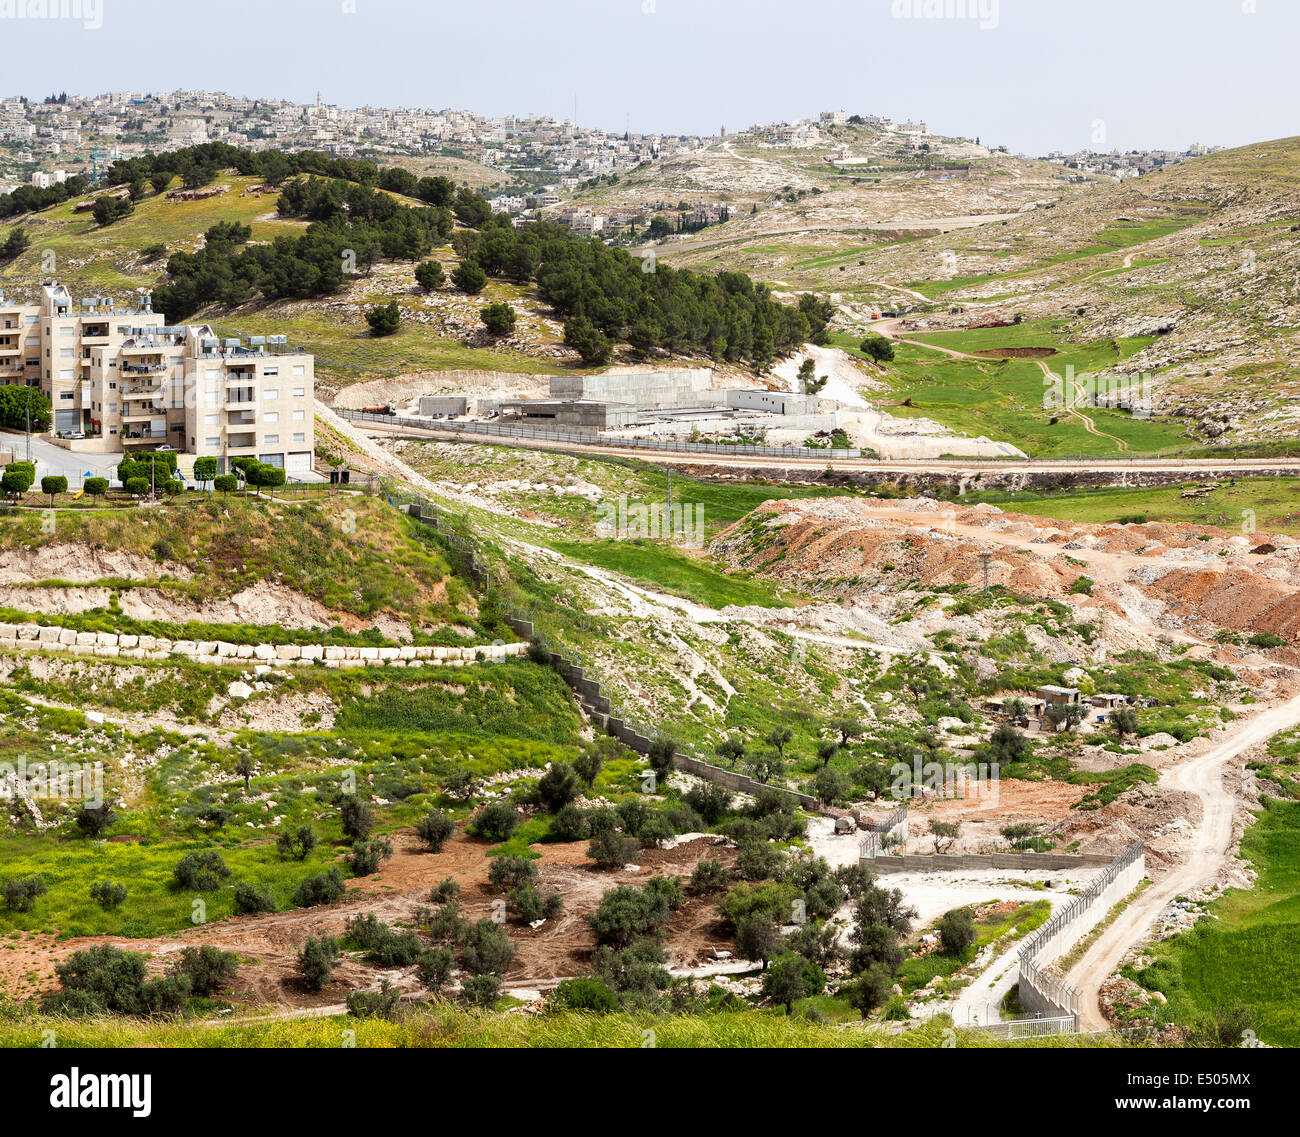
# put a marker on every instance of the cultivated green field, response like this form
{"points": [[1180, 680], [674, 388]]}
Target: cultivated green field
{"points": [[1274, 503], [1003, 398], [1247, 958]]}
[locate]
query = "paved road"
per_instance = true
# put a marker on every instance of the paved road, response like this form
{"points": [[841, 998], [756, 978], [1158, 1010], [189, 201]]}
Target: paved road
{"points": [[955, 467], [52, 459]]}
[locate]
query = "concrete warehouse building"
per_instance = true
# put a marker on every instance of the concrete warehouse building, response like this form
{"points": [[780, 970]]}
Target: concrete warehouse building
{"points": [[618, 399], [127, 381]]}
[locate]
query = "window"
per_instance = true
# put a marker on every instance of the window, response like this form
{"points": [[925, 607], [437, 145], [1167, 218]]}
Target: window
{"points": [[269, 371], [274, 393], [209, 398], [299, 416], [271, 438], [212, 442], [271, 416], [177, 427], [112, 408], [65, 396], [66, 352], [300, 437], [299, 369], [211, 420], [299, 392]]}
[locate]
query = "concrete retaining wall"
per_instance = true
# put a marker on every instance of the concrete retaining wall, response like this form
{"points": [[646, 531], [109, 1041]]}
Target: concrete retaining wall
{"points": [[112, 645], [945, 862]]}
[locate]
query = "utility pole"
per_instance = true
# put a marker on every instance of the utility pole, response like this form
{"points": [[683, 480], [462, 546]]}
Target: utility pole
{"points": [[669, 515], [29, 424], [985, 558]]}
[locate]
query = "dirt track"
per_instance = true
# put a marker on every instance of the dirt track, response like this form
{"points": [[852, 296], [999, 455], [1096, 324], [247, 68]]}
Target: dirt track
{"points": [[1203, 777]]}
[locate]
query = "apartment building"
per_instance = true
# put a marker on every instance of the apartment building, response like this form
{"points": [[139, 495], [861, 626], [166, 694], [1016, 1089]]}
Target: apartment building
{"points": [[134, 382]]}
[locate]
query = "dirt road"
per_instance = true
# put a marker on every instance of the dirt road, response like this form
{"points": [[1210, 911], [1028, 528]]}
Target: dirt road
{"points": [[1202, 776]]}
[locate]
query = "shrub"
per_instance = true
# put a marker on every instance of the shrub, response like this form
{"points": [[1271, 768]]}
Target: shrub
{"points": [[296, 843], [53, 484], [481, 991], [869, 991], [469, 276], [434, 828], [588, 765], [956, 931], [557, 787], [433, 966], [15, 482], [447, 923], [429, 275], [757, 938], [92, 820], [446, 889], [365, 857], [249, 899], [625, 914], [757, 860], [877, 348], [109, 894], [316, 961], [570, 824], [506, 873], [96, 487], [495, 821], [396, 949], [201, 871], [709, 800], [379, 1004], [97, 979], [320, 889], [498, 318], [208, 969], [384, 319], [356, 817], [790, 977], [20, 893], [612, 850], [586, 993], [226, 483], [709, 876], [486, 949], [136, 487]]}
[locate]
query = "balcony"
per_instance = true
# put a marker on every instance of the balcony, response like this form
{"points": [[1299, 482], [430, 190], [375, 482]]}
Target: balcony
{"points": [[143, 368], [143, 437]]}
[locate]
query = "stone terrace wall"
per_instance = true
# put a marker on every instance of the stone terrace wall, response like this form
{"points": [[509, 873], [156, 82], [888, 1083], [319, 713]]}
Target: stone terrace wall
{"points": [[112, 645]]}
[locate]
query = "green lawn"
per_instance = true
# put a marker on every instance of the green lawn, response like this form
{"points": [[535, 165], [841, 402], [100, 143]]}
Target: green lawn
{"points": [[661, 567]]}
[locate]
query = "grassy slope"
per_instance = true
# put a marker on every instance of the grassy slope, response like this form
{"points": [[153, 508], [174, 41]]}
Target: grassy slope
{"points": [[354, 553], [444, 1026], [106, 261], [401, 734]]}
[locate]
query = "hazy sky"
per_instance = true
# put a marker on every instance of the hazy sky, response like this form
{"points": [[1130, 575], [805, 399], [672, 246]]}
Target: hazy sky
{"points": [[1042, 75]]}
